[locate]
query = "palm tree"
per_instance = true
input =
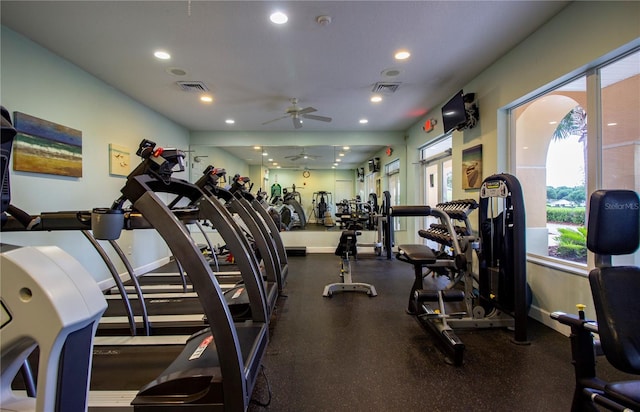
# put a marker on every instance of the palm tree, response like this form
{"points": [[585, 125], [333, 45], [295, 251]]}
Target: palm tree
{"points": [[574, 123]]}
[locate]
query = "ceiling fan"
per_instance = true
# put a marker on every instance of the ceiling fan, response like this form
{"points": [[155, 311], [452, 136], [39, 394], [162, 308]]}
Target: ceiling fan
{"points": [[297, 114], [302, 155]]}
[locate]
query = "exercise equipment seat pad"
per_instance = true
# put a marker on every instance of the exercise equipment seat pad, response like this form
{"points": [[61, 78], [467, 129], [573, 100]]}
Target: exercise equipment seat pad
{"points": [[615, 296], [627, 393], [416, 254]]}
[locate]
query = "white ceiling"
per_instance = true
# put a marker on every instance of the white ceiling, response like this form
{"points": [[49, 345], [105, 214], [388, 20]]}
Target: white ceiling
{"points": [[253, 67]]}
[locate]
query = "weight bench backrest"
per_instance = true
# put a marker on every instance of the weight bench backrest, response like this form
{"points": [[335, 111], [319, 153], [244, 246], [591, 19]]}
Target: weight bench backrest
{"points": [[614, 229], [348, 243]]}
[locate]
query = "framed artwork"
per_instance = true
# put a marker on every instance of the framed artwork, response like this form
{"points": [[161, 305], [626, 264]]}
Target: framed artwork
{"points": [[119, 160], [41, 146], [472, 168]]}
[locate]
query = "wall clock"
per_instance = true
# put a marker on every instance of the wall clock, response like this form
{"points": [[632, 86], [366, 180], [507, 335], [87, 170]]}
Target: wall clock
{"points": [[306, 174]]}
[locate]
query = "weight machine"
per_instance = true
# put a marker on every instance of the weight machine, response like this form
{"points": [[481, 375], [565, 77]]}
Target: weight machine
{"points": [[496, 296], [613, 229], [322, 202]]}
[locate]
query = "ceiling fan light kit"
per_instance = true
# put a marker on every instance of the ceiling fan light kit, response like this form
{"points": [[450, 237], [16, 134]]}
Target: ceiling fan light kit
{"points": [[297, 114], [302, 155]]}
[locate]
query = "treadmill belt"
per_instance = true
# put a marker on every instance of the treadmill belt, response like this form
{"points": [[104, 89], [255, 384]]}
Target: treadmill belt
{"points": [[155, 306], [130, 367]]}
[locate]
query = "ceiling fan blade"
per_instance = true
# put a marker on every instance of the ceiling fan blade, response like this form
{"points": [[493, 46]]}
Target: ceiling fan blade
{"points": [[275, 120], [297, 123], [314, 117], [293, 158], [307, 110]]}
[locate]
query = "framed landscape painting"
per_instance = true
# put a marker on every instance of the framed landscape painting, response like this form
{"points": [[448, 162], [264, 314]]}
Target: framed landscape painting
{"points": [[41, 146]]}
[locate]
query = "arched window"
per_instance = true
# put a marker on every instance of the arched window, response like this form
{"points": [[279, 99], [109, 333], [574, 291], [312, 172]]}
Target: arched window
{"points": [[562, 153]]}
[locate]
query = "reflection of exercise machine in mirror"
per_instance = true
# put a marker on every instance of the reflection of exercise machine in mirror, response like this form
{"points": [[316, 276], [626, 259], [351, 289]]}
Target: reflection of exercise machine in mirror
{"points": [[322, 202], [288, 203], [355, 214]]}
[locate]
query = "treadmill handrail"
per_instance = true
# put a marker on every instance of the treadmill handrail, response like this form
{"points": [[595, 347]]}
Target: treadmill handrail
{"points": [[220, 320]]}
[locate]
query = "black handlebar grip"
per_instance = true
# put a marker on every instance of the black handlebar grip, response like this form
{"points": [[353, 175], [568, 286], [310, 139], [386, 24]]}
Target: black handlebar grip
{"points": [[417, 210]]}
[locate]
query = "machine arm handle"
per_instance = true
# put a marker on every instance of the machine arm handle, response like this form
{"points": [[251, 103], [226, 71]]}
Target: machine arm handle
{"points": [[417, 210]]}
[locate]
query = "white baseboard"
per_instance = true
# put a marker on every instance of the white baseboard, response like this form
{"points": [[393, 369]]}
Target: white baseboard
{"points": [[141, 270], [544, 317]]}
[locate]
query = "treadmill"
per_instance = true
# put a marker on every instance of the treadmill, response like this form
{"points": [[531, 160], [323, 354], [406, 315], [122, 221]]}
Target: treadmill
{"points": [[168, 311], [255, 203], [215, 369], [256, 226]]}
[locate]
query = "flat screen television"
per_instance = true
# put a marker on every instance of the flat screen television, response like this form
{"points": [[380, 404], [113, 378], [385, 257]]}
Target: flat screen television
{"points": [[454, 113]]}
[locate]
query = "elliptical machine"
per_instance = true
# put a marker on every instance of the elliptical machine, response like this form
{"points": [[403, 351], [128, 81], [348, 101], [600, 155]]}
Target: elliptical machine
{"points": [[44, 286]]}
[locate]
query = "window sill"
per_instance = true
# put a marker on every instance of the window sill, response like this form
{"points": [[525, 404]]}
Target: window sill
{"points": [[558, 264]]}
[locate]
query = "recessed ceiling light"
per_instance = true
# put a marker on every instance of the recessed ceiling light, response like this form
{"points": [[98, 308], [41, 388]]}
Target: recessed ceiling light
{"points": [[402, 55], [364, 121], [265, 154], [206, 99], [270, 159], [278, 17], [162, 55], [341, 154], [257, 147], [346, 147], [612, 124], [229, 121], [376, 99], [338, 160], [553, 122]]}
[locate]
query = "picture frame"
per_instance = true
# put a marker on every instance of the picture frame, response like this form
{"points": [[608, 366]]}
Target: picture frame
{"points": [[41, 146], [119, 160], [472, 168]]}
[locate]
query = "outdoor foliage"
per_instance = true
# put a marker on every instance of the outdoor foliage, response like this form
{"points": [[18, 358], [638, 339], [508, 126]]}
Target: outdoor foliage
{"points": [[573, 215], [576, 194], [572, 244]]}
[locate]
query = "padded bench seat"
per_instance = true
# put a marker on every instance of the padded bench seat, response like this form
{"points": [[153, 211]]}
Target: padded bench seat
{"points": [[627, 392], [416, 254]]}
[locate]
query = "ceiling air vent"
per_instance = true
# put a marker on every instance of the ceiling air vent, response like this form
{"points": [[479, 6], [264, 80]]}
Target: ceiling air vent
{"points": [[197, 87], [385, 87]]}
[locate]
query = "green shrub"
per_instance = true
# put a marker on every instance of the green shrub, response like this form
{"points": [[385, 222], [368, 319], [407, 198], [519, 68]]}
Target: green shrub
{"points": [[572, 244], [571, 215]]}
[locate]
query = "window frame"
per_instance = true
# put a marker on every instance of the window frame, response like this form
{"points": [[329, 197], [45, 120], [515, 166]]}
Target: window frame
{"points": [[593, 172]]}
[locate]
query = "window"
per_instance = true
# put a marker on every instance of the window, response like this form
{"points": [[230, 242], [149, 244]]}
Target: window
{"points": [[437, 171], [562, 153], [437, 174], [392, 172]]}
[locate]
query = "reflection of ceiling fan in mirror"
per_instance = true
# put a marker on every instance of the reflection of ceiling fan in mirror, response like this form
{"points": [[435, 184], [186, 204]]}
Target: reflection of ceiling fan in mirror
{"points": [[297, 114], [302, 155]]}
